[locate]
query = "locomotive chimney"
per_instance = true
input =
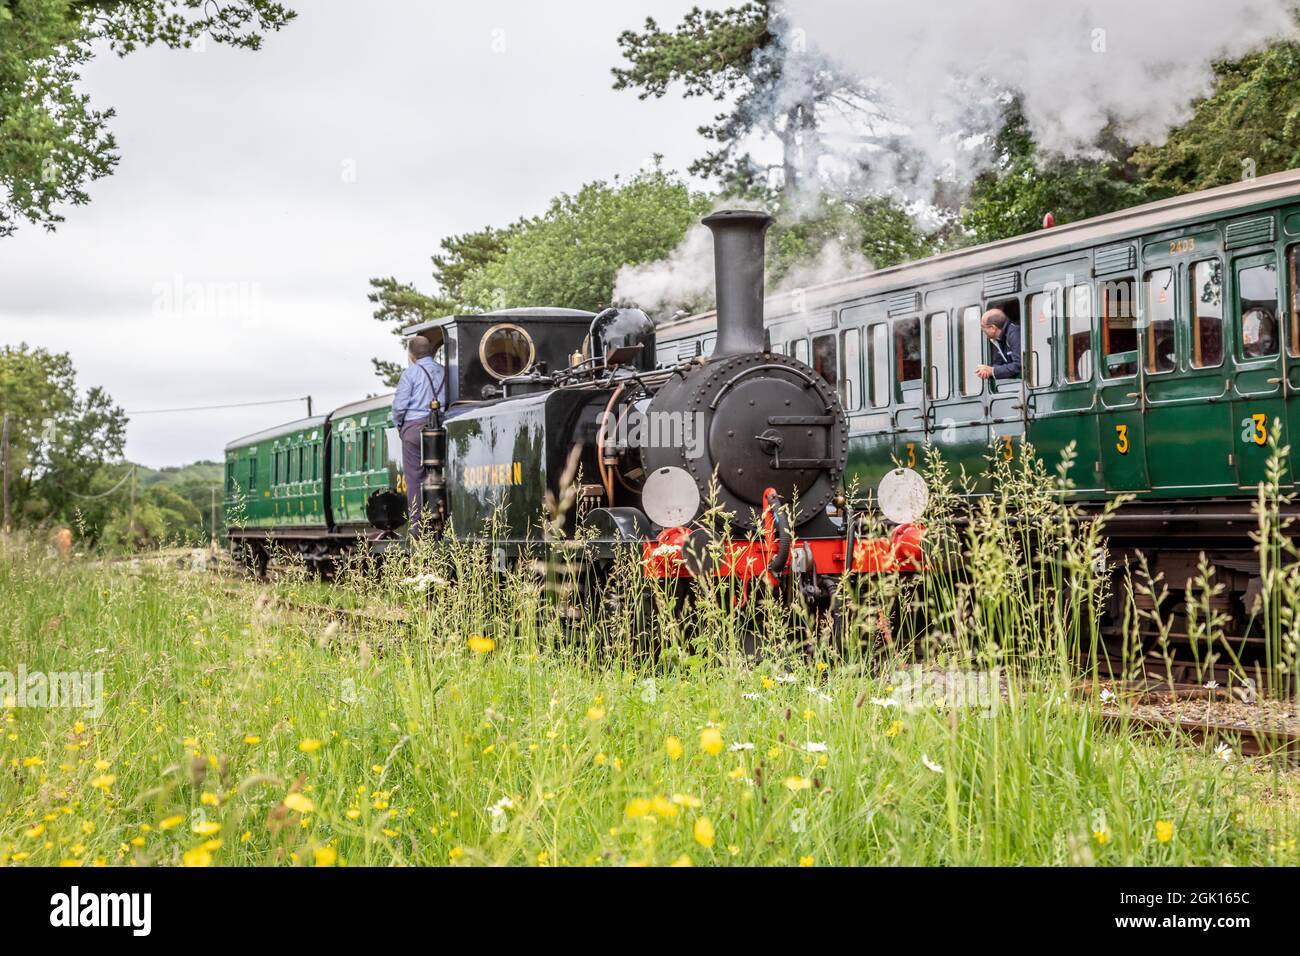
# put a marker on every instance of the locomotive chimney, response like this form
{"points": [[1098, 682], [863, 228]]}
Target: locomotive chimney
{"points": [[738, 236]]}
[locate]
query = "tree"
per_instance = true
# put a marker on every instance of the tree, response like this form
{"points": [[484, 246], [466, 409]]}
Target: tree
{"points": [[400, 304], [59, 439], [743, 53], [570, 255], [52, 143], [1012, 196], [1249, 126], [840, 237]]}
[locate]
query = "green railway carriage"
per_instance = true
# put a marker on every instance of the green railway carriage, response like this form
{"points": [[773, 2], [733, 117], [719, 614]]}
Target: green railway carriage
{"points": [[307, 485], [1163, 341]]}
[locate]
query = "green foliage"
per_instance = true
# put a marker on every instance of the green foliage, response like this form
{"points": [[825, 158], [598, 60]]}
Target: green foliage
{"points": [[1249, 126], [1022, 186], [569, 255], [52, 143], [876, 228]]}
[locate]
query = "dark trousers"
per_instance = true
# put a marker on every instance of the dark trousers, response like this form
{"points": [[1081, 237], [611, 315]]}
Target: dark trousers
{"points": [[412, 471]]}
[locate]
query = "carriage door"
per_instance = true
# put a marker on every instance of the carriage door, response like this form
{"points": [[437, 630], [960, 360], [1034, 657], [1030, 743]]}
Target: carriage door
{"points": [[962, 424], [1120, 434], [1291, 294], [1188, 415], [1259, 393]]}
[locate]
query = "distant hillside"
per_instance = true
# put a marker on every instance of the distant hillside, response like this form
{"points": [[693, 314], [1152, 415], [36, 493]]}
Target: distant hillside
{"points": [[199, 472]]}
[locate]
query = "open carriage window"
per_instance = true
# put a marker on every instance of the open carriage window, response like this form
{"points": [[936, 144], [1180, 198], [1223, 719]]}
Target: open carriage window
{"points": [[1118, 328], [1257, 291], [936, 334], [1038, 347], [1078, 334], [971, 350], [907, 351], [1162, 348]]}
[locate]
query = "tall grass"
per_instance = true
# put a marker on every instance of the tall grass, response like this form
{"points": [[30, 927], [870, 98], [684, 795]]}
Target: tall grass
{"points": [[527, 714]]}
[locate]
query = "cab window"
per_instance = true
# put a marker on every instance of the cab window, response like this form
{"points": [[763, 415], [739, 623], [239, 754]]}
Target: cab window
{"points": [[1206, 300], [1257, 316], [1162, 349]]}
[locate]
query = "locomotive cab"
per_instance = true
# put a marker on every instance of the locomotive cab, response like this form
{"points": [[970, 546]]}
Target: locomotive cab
{"points": [[481, 352]]}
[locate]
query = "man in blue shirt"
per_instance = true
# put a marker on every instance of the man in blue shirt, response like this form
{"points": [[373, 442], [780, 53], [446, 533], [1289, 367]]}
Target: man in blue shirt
{"points": [[1005, 338], [417, 389]]}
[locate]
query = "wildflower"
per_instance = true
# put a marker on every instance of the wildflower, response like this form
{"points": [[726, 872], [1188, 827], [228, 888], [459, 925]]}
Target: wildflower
{"points": [[663, 806], [1223, 752], [104, 782], [206, 827], [252, 740], [797, 783], [1107, 695], [768, 683], [102, 764], [595, 713], [814, 747], [736, 774], [353, 813], [637, 807], [682, 861], [894, 729], [738, 745], [324, 855], [1211, 684], [210, 799], [299, 803], [711, 741], [199, 856], [733, 849], [786, 679], [931, 765], [36, 831], [456, 853], [808, 714], [822, 665], [684, 800], [543, 858], [173, 821], [806, 861], [704, 832], [32, 761], [309, 745], [751, 696], [822, 694], [481, 645], [1101, 836], [884, 702], [673, 746], [137, 841], [1164, 830], [600, 758]]}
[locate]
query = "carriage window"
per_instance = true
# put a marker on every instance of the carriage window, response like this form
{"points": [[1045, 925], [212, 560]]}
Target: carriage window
{"points": [[315, 461], [972, 350], [1162, 350], [878, 342], [302, 459], [824, 363], [230, 477], [1118, 328], [252, 472], [275, 468], [1257, 294], [799, 350], [506, 350], [1207, 314], [365, 449], [1078, 334], [1293, 342], [851, 381], [1042, 308], [936, 340], [907, 351]]}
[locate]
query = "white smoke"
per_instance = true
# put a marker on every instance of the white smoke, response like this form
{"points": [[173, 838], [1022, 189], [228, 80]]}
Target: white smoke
{"points": [[682, 281], [834, 260], [937, 73]]}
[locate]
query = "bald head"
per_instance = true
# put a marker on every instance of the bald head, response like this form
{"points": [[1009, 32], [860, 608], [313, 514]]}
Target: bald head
{"points": [[992, 322], [419, 347]]}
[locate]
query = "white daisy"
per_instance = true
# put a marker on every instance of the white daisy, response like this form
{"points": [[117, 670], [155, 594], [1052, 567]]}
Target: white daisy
{"points": [[751, 697], [884, 702], [786, 679], [1223, 752], [931, 765], [815, 747], [740, 745], [1107, 695]]}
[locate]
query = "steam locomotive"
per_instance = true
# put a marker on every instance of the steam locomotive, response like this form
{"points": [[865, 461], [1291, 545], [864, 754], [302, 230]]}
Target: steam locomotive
{"points": [[557, 423]]}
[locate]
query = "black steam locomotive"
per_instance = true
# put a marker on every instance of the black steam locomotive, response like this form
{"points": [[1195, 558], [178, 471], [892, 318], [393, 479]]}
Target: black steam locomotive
{"points": [[558, 424]]}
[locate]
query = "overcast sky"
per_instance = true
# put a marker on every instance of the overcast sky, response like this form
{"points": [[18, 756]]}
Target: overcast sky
{"points": [[276, 183]]}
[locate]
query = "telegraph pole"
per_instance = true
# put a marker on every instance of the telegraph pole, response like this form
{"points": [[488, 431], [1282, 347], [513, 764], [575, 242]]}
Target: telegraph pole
{"points": [[4, 451], [309, 406]]}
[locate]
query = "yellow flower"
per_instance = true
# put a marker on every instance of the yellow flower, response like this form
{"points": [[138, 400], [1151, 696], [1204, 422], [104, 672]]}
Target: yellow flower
{"points": [[711, 741], [137, 841], [87, 826], [674, 747], [894, 729], [822, 665], [481, 645], [456, 853], [805, 861], [309, 745], [638, 807], [252, 740], [299, 802], [325, 855], [36, 831], [102, 765], [172, 821], [210, 800], [683, 860], [206, 828], [797, 783], [353, 813], [32, 761], [79, 727], [733, 849], [768, 683], [773, 752], [1164, 830], [682, 800], [663, 806], [704, 832], [595, 713], [1101, 836], [808, 713], [543, 858], [103, 782], [736, 774], [600, 758], [199, 856]]}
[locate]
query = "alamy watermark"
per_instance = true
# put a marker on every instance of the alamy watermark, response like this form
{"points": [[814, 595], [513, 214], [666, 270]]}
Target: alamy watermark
{"points": [[71, 690]]}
